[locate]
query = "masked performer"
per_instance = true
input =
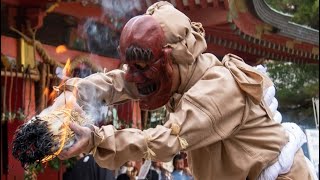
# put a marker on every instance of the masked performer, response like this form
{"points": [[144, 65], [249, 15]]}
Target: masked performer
{"points": [[216, 111]]}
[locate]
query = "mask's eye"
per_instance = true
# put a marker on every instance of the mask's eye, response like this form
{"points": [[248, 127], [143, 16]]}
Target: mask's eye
{"points": [[141, 65]]}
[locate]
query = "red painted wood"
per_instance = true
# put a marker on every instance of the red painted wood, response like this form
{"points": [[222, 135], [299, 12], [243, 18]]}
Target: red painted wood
{"points": [[283, 40], [215, 3], [204, 3], [179, 5], [73, 9], [192, 4], [202, 15], [9, 47], [226, 4], [15, 171], [220, 52], [247, 23], [50, 174], [3, 177], [27, 3]]}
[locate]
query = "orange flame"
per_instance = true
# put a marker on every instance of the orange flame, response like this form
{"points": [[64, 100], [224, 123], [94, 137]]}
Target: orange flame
{"points": [[46, 91], [67, 69], [52, 95], [61, 49]]}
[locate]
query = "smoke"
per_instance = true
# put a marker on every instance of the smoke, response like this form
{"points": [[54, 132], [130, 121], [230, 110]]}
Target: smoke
{"points": [[101, 39], [95, 110], [119, 8], [98, 113]]}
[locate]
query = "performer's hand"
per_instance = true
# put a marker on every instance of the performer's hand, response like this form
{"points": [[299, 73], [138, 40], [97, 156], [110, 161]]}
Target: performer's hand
{"points": [[82, 144]]}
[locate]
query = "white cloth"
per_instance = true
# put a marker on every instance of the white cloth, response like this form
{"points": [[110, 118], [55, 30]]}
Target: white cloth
{"points": [[261, 69], [269, 95], [277, 117], [274, 106], [296, 139]]}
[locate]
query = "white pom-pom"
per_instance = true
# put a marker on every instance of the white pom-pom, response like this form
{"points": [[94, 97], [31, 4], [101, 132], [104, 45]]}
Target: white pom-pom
{"points": [[261, 69], [269, 95], [274, 105], [277, 117]]}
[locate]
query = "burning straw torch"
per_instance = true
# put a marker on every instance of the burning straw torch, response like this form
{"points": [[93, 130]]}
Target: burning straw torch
{"points": [[44, 136]]}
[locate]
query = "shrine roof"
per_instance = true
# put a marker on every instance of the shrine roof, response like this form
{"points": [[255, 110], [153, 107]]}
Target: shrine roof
{"points": [[250, 29]]}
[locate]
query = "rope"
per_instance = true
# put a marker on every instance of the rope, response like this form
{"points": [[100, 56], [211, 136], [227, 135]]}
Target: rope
{"points": [[4, 95], [52, 7], [38, 46], [183, 142], [175, 130], [149, 153], [50, 157], [16, 94], [72, 116], [23, 89], [33, 33], [10, 94], [47, 85], [42, 86], [85, 60], [47, 59], [30, 91]]}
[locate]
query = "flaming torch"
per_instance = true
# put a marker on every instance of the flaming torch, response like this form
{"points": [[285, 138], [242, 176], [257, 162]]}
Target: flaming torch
{"points": [[42, 138]]}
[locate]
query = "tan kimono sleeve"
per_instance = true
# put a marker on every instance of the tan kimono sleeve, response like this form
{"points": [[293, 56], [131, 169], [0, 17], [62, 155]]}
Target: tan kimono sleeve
{"points": [[102, 88], [188, 128]]}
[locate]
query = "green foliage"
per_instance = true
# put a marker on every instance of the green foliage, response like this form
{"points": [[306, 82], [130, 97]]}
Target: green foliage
{"points": [[157, 117], [304, 12], [36, 168], [32, 171], [296, 84]]}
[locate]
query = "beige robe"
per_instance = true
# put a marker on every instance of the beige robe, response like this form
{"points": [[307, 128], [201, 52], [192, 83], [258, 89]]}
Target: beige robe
{"points": [[229, 133]]}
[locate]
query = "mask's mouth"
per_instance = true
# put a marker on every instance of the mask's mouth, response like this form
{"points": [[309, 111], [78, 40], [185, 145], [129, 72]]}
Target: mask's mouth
{"points": [[147, 89]]}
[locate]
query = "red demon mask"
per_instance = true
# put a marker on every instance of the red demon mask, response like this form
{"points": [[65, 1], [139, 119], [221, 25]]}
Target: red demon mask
{"points": [[150, 66]]}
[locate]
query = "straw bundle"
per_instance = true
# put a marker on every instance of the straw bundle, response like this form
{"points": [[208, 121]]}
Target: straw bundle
{"points": [[43, 137]]}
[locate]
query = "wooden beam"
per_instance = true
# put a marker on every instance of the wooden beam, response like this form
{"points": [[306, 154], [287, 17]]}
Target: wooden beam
{"points": [[262, 49], [26, 3], [226, 4], [192, 4], [222, 51], [215, 3], [209, 17], [9, 48], [180, 5], [34, 77], [204, 3], [74, 9]]}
